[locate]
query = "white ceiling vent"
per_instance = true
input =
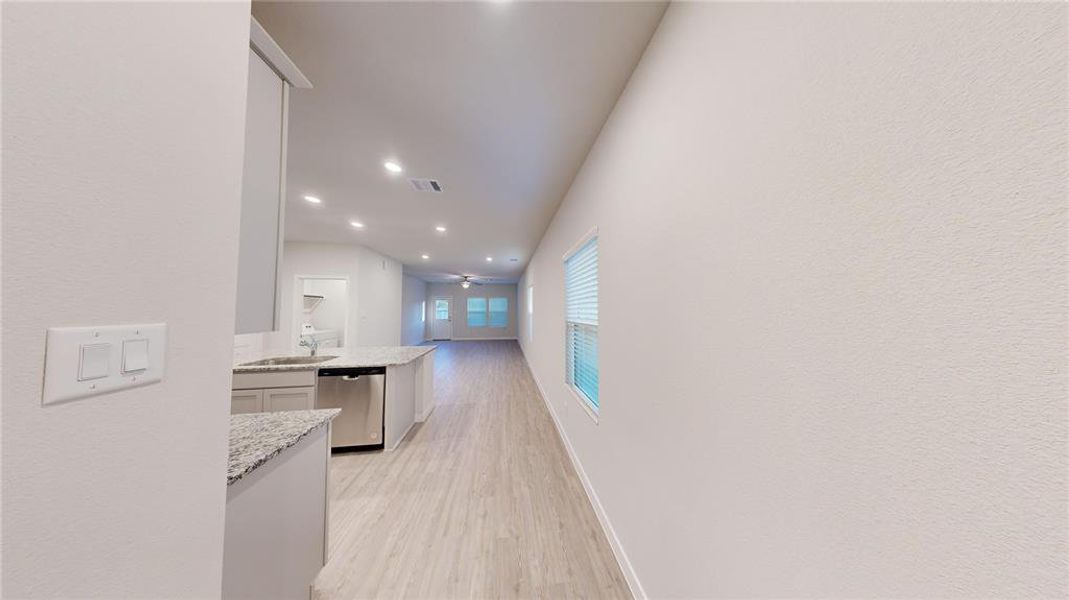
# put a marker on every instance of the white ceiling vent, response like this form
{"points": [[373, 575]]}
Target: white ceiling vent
{"points": [[426, 185]]}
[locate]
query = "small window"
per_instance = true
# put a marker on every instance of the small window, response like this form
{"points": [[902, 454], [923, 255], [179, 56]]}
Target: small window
{"points": [[499, 312], [530, 312], [423, 312], [476, 312], [581, 321], [441, 309]]}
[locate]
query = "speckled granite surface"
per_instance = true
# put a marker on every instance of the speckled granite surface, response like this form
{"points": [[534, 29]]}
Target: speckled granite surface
{"points": [[372, 356], [256, 438]]}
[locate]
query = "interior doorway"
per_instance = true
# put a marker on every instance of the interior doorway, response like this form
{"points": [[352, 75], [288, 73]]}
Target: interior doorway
{"points": [[321, 311]]}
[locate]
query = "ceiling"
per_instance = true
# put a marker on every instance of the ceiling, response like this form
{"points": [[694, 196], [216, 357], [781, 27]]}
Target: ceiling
{"points": [[499, 101]]}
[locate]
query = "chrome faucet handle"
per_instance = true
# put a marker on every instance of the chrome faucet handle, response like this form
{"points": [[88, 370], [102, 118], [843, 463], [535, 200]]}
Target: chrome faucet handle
{"points": [[312, 345]]}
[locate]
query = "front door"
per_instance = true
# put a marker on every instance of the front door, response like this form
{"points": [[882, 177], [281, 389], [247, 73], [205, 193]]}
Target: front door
{"points": [[442, 319]]}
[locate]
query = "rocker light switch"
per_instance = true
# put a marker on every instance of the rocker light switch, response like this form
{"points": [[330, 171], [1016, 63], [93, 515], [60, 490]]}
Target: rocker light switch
{"points": [[134, 356], [88, 361], [95, 361]]}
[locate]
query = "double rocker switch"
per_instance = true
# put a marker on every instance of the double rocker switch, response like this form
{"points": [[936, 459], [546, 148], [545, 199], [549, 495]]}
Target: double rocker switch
{"points": [[95, 360], [88, 361]]}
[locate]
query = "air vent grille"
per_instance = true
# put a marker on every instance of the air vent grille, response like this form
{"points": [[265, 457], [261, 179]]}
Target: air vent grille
{"points": [[426, 185]]}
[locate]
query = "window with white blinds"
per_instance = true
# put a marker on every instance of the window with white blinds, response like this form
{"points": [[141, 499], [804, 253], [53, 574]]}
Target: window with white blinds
{"points": [[530, 312], [581, 319], [476, 312], [484, 312], [499, 312]]}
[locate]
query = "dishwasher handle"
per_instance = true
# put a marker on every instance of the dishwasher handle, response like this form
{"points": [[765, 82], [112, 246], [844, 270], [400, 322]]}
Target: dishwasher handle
{"points": [[351, 373]]}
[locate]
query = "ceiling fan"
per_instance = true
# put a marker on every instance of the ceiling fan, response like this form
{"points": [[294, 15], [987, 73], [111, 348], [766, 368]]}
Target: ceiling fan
{"points": [[467, 281]]}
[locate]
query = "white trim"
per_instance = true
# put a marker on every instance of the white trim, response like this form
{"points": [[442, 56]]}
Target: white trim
{"points": [[478, 339], [283, 157], [583, 401], [421, 419], [326, 501], [593, 233], [580, 396], [603, 518], [274, 56], [402, 437]]}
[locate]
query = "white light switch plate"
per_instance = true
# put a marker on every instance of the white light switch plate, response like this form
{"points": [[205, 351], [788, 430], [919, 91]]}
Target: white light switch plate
{"points": [[64, 369]]}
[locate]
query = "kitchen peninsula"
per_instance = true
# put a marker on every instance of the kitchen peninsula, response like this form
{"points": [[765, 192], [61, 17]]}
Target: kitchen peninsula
{"points": [[274, 382]]}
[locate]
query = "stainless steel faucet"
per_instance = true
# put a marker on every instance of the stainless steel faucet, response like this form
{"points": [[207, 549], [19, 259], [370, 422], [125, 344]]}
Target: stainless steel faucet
{"points": [[311, 343]]}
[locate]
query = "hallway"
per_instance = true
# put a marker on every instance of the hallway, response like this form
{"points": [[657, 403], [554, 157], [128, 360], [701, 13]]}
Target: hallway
{"points": [[480, 501]]}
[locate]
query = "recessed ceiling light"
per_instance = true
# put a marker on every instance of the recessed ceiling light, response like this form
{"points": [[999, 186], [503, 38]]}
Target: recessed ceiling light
{"points": [[440, 229], [312, 199], [425, 257], [489, 259], [357, 224], [392, 166]]}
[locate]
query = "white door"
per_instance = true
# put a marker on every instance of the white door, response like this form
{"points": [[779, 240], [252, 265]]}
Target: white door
{"points": [[442, 319]]}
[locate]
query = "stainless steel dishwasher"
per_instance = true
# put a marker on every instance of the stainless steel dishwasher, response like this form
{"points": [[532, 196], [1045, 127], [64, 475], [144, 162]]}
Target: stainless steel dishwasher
{"points": [[360, 393]]}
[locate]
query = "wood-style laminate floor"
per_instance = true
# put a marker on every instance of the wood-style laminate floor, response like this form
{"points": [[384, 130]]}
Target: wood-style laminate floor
{"points": [[481, 501]]}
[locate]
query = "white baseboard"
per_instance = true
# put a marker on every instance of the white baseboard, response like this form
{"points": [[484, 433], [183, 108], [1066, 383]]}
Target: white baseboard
{"points": [[477, 339], [614, 542], [402, 437], [422, 417]]}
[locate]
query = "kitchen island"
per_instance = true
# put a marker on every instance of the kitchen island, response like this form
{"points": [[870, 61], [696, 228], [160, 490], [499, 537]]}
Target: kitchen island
{"points": [[277, 495], [370, 356], [409, 387]]}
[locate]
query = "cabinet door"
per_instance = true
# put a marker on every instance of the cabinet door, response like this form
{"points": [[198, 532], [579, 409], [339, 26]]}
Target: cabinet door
{"points": [[302, 398], [246, 401], [261, 198]]}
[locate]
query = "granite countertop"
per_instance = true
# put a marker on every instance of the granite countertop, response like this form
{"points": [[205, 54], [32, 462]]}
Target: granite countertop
{"points": [[371, 356], [256, 438]]}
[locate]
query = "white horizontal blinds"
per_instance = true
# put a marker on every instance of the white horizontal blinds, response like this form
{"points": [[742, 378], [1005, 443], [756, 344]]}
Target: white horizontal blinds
{"points": [[476, 312], [499, 312], [581, 316]]}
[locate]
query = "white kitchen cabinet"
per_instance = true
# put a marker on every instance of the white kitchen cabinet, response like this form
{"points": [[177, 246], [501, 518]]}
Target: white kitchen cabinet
{"points": [[271, 391], [261, 199], [246, 401], [289, 399], [273, 379], [263, 188]]}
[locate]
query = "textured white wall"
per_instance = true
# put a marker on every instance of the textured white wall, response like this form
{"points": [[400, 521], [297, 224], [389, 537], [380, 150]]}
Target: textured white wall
{"points": [[413, 296], [460, 308], [833, 303], [123, 134]]}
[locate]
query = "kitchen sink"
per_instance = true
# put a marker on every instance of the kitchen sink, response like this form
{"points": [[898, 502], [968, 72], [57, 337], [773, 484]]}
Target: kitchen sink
{"points": [[287, 360]]}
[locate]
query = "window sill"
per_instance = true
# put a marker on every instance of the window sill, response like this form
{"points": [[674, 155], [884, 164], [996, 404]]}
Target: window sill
{"points": [[581, 399]]}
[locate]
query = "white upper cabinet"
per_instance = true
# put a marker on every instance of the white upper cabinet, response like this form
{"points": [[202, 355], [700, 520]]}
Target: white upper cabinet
{"points": [[271, 74]]}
